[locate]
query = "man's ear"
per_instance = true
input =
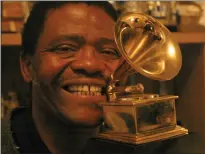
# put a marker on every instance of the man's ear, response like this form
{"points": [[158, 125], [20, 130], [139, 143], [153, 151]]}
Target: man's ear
{"points": [[26, 68]]}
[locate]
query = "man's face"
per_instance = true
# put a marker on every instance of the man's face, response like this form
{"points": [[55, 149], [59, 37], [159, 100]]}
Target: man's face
{"points": [[75, 56]]}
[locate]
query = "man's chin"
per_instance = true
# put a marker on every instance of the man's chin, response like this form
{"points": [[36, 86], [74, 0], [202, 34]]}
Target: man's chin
{"points": [[87, 121], [89, 124], [84, 123]]}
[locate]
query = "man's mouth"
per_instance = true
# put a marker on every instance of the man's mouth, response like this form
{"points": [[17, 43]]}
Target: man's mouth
{"points": [[86, 90]]}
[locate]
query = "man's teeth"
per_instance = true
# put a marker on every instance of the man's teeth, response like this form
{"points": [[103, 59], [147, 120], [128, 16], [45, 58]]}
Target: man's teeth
{"points": [[85, 90]]}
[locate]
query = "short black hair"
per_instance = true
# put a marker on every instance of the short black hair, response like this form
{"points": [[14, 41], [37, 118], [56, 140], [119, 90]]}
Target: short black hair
{"points": [[35, 22]]}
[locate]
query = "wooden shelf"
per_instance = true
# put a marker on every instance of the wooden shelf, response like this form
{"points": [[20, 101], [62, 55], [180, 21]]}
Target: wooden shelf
{"points": [[192, 37], [13, 39]]}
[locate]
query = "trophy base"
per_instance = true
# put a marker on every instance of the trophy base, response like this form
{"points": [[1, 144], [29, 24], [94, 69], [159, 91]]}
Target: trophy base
{"points": [[143, 138]]}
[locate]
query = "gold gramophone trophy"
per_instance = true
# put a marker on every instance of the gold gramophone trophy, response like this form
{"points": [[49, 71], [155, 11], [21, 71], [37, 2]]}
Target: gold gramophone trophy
{"points": [[131, 116]]}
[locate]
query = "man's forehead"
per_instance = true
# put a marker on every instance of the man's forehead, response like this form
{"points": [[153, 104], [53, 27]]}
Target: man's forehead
{"points": [[80, 39], [76, 13], [77, 19]]}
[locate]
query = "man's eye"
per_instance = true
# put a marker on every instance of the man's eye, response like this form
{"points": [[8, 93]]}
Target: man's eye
{"points": [[65, 48], [110, 53]]}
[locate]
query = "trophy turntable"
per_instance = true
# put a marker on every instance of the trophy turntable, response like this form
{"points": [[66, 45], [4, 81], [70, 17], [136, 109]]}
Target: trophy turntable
{"points": [[131, 116]]}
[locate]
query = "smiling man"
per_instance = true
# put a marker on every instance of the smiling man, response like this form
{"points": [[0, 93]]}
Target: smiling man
{"points": [[74, 58], [68, 55]]}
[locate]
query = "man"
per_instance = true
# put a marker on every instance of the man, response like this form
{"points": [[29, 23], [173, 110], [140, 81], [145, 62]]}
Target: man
{"points": [[68, 54]]}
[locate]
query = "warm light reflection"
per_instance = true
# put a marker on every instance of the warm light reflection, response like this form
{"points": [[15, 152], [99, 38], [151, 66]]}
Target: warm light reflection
{"points": [[171, 51], [132, 19]]}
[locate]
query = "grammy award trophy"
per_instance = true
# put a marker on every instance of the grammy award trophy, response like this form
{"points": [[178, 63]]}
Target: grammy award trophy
{"points": [[131, 116]]}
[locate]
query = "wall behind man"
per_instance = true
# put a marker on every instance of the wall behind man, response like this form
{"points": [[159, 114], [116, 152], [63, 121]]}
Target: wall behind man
{"points": [[11, 78]]}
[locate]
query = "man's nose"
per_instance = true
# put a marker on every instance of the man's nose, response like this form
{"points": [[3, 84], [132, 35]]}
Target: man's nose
{"points": [[88, 62]]}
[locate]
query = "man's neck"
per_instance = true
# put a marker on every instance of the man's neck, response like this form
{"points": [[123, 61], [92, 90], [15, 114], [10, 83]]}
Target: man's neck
{"points": [[58, 136]]}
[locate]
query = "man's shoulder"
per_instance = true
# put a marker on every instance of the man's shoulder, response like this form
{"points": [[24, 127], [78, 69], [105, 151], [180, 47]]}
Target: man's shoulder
{"points": [[19, 134], [7, 143], [188, 144], [25, 133]]}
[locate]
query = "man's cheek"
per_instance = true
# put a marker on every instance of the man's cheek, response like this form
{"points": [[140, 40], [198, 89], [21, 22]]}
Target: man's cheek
{"points": [[49, 67], [112, 66], [45, 92]]}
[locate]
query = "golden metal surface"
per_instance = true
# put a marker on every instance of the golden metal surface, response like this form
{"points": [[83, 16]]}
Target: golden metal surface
{"points": [[144, 138], [145, 117], [147, 47], [130, 116], [138, 100]]}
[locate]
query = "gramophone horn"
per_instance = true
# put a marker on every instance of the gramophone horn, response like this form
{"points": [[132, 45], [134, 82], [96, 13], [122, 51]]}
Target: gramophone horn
{"points": [[147, 47]]}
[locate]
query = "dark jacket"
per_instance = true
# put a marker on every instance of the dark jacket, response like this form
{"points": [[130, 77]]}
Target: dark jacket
{"points": [[20, 136]]}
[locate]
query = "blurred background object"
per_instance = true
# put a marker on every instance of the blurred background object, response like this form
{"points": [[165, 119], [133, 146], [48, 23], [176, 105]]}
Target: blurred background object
{"points": [[14, 15], [191, 13], [180, 16], [14, 91], [8, 104]]}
